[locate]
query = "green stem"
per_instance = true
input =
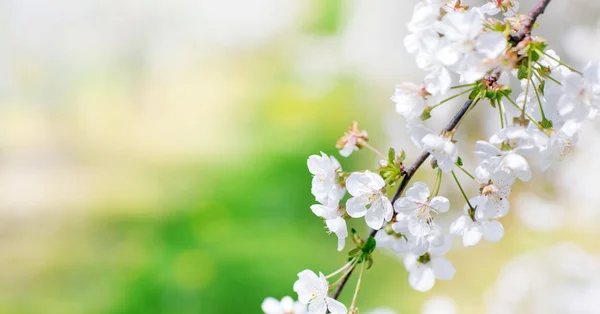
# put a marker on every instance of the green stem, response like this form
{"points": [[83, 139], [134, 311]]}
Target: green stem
{"points": [[362, 268], [527, 85], [441, 174], [468, 174], [499, 105], [367, 145], [559, 62], [537, 95], [340, 270], [438, 183], [519, 108], [544, 74], [463, 192], [464, 85], [345, 273], [452, 97]]}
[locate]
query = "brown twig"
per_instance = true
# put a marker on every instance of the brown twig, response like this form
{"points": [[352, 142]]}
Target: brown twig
{"points": [[525, 32], [529, 21]]}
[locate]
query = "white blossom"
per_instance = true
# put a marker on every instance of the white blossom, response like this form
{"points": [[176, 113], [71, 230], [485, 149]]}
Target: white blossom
{"points": [[581, 94], [312, 290], [520, 137], [560, 143], [440, 147], [417, 208], [507, 7], [351, 140], [396, 242], [285, 306], [469, 50], [368, 199], [424, 270], [498, 165], [435, 239], [472, 231], [493, 202], [427, 45], [325, 175], [333, 220], [409, 100]]}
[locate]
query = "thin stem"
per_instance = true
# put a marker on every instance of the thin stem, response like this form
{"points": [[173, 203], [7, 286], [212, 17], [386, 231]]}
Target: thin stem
{"points": [[340, 270], [499, 105], [462, 191], [440, 175], [464, 85], [537, 95], [468, 174], [346, 274], [517, 106], [559, 62], [367, 145], [362, 269], [527, 85], [543, 74], [451, 97]]}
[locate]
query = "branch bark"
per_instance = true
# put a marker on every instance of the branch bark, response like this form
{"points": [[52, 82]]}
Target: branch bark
{"points": [[524, 32], [529, 21]]}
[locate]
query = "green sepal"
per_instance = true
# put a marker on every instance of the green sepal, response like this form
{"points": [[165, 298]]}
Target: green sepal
{"points": [[391, 156], [369, 246], [354, 252]]}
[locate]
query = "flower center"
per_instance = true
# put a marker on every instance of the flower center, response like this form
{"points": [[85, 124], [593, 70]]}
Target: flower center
{"points": [[424, 212], [488, 190]]}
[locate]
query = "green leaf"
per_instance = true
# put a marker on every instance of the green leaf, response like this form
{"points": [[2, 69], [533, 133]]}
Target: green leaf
{"points": [[459, 161], [534, 55], [522, 73], [354, 252], [426, 113], [505, 91], [476, 93], [369, 262], [402, 155], [541, 87], [391, 155], [369, 246], [546, 124], [490, 94]]}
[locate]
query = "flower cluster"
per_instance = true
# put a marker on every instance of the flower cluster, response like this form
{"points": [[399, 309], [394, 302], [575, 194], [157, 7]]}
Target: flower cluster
{"points": [[470, 51]]}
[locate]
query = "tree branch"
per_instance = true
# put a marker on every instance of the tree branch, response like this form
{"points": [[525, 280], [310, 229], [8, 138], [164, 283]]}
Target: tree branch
{"points": [[529, 21], [525, 32]]}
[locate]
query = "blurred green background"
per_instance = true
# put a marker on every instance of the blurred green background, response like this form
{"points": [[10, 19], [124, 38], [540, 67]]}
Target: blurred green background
{"points": [[153, 155]]}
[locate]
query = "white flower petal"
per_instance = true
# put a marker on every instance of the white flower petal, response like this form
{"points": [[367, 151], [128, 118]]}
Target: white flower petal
{"points": [[472, 235], [440, 204], [421, 279], [271, 306], [355, 207], [418, 192], [317, 306], [405, 205], [442, 268], [493, 231], [335, 306], [375, 217]]}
